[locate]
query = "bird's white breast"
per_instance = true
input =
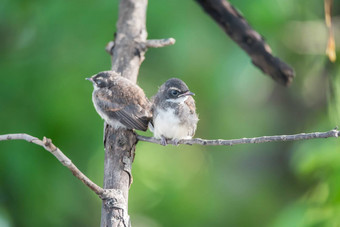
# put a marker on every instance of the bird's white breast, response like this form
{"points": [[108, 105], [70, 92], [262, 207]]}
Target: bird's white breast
{"points": [[167, 124]]}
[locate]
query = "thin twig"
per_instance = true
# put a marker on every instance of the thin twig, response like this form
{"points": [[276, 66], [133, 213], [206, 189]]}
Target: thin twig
{"points": [[156, 43], [50, 147], [109, 47], [262, 139]]}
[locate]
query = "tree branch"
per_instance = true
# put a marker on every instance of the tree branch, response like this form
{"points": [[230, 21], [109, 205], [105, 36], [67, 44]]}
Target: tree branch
{"points": [[50, 147], [238, 29], [104, 194], [263, 139]]}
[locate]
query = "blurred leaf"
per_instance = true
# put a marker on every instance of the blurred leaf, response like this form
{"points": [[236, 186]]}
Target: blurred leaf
{"points": [[330, 51]]}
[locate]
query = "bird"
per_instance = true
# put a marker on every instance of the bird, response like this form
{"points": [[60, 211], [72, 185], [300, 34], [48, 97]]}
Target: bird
{"points": [[120, 102], [174, 112]]}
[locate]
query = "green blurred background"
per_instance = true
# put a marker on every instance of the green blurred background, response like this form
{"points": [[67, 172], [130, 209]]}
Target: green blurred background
{"points": [[49, 47]]}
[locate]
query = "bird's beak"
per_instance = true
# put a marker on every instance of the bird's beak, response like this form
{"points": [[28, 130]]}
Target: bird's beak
{"points": [[89, 79], [186, 94]]}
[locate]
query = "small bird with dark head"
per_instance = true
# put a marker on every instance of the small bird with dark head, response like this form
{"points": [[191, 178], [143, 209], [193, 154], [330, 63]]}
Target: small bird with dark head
{"points": [[174, 112], [120, 102]]}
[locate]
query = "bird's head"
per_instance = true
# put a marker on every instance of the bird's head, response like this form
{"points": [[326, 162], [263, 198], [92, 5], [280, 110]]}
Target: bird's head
{"points": [[102, 79], [175, 90]]}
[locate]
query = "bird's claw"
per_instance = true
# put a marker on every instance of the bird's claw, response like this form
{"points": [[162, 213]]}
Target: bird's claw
{"points": [[163, 141], [175, 141]]}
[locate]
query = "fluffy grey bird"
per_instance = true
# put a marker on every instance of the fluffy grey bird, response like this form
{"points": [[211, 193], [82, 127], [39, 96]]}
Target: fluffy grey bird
{"points": [[120, 102], [174, 112]]}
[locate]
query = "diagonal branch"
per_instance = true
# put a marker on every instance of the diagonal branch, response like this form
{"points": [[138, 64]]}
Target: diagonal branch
{"points": [[238, 29], [50, 147], [263, 139]]}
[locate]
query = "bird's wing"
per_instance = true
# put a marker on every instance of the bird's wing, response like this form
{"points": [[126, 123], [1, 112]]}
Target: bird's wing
{"points": [[131, 115], [192, 107], [191, 104]]}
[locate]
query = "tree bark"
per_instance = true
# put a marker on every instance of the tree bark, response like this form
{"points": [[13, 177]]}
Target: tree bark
{"points": [[127, 54]]}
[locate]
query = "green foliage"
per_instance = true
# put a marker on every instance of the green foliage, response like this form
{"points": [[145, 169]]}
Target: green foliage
{"points": [[49, 47]]}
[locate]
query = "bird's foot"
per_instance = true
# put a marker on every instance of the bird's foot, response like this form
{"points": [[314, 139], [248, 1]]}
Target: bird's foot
{"points": [[175, 141], [163, 141]]}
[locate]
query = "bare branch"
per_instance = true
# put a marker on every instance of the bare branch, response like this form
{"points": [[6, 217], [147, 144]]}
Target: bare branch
{"points": [[50, 147], [238, 29], [128, 54], [262, 139], [156, 43]]}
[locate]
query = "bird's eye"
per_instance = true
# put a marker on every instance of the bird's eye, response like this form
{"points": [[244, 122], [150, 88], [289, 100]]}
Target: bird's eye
{"points": [[174, 92], [100, 83]]}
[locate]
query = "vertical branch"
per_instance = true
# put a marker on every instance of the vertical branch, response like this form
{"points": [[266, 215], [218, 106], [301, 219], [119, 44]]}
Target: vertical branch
{"points": [[119, 154], [127, 55]]}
